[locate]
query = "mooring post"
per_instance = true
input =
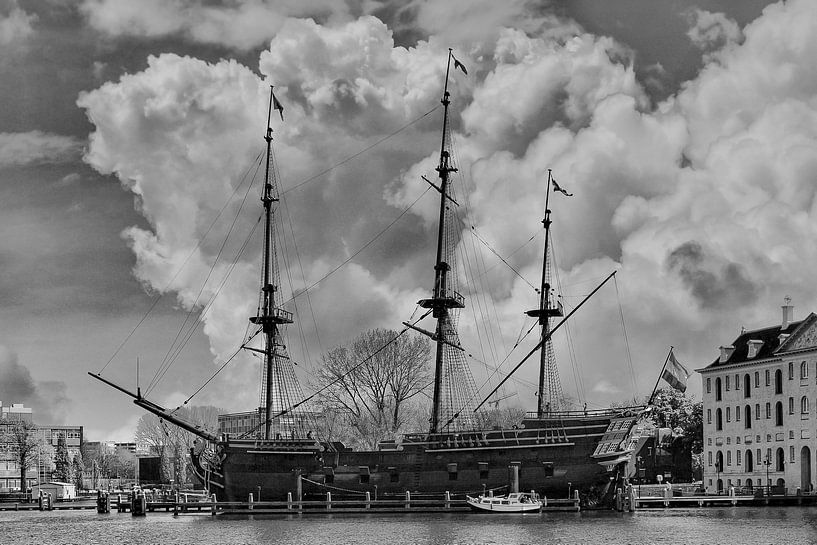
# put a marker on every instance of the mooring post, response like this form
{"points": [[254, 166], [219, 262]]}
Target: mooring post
{"points": [[447, 499], [289, 501], [213, 509], [300, 491], [249, 501], [408, 499], [328, 500], [368, 500]]}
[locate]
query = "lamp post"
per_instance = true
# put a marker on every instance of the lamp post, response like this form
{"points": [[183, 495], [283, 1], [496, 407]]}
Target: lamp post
{"points": [[767, 463], [718, 481]]}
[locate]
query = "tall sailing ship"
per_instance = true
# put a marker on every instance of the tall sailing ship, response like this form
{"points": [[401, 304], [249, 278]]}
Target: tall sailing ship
{"points": [[551, 450]]}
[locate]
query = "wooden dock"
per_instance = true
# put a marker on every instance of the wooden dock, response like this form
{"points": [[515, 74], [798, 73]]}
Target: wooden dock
{"points": [[122, 503]]}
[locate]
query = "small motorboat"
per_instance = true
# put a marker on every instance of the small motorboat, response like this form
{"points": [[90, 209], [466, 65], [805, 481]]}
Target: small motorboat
{"points": [[518, 502]]}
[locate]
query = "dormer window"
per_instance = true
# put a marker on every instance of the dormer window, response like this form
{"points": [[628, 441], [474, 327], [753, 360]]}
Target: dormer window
{"points": [[754, 346], [782, 337], [726, 353]]}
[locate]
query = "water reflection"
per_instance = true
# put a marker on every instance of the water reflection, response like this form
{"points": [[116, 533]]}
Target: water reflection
{"points": [[771, 525]]}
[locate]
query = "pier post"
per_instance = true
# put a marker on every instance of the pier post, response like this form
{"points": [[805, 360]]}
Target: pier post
{"points": [[667, 495], [138, 507], [249, 501], [447, 499], [368, 500], [631, 498], [619, 506], [213, 509], [299, 490], [119, 506], [408, 499], [289, 501], [328, 501]]}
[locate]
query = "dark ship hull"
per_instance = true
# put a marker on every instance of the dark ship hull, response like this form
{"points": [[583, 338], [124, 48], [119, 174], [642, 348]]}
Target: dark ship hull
{"points": [[570, 451]]}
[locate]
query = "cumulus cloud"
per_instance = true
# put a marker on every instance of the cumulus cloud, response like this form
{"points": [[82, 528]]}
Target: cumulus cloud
{"points": [[47, 399], [713, 31], [23, 148], [15, 23], [241, 25], [704, 203]]}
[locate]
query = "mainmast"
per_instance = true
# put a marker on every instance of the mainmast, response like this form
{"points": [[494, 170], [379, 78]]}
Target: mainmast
{"points": [[449, 394], [276, 379], [550, 389]]}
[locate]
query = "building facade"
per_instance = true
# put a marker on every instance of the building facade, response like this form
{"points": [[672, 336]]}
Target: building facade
{"points": [[47, 439], [760, 410]]}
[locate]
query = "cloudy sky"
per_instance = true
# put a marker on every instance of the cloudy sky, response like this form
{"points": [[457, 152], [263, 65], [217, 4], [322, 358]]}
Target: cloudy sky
{"points": [[130, 135]]}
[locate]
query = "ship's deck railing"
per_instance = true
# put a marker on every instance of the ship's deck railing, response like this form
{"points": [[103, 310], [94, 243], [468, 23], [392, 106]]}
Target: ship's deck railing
{"points": [[619, 411]]}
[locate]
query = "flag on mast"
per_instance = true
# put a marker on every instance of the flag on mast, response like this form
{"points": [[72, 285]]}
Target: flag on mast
{"points": [[277, 106], [557, 187], [458, 64], [675, 374]]}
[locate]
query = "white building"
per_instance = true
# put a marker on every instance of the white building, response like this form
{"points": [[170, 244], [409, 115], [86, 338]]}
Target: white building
{"points": [[760, 409]]}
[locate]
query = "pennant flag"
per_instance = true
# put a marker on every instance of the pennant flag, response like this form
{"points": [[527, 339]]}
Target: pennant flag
{"points": [[675, 374], [277, 106], [558, 188], [458, 64]]}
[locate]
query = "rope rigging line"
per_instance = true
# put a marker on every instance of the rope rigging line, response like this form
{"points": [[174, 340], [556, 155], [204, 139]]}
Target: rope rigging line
{"points": [[359, 153], [194, 394], [626, 341], [206, 309], [170, 350], [359, 250], [184, 263]]}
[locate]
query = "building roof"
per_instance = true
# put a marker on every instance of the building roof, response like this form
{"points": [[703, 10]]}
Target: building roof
{"points": [[795, 334]]}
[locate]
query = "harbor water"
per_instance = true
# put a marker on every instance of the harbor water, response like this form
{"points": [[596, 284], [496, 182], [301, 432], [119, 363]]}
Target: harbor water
{"points": [[734, 525]]}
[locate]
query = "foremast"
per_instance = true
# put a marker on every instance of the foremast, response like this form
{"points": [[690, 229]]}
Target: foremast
{"points": [[279, 385], [549, 394], [453, 383]]}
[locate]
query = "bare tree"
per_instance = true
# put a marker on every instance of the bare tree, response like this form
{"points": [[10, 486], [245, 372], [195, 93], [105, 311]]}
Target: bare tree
{"points": [[25, 441], [371, 380]]}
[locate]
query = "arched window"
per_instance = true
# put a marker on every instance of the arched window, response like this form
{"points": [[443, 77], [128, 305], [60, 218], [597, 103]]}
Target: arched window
{"points": [[768, 411], [737, 459], [708, 385], [778, 382], [728, 414], [791, 370], [728, 387], [747, 386], [718, 392], [757, 411], [719, 461], [757, 379], [768, 378], [747, 420], [791, 405], [778, 414], [750, 465], [718, 419], [737, 413], [780, 460], [803, 370], [804, 405], [729, 457]]}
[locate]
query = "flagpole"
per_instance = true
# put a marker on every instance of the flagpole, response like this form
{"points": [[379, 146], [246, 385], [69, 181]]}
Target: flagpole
{"points": [[660, 374]]}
